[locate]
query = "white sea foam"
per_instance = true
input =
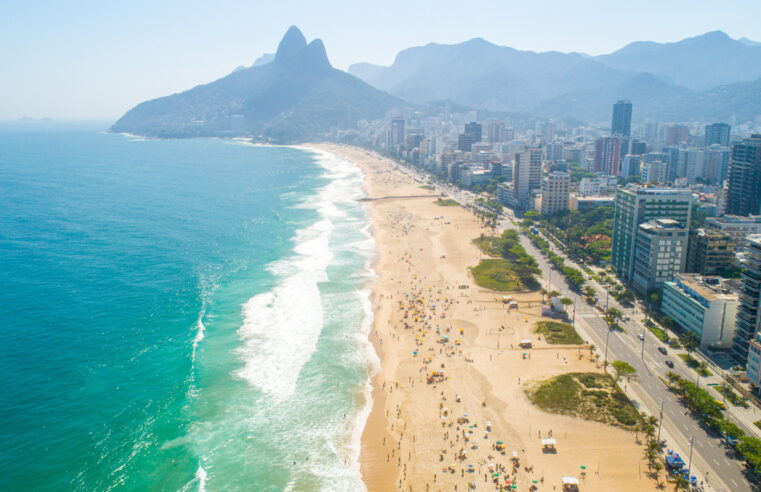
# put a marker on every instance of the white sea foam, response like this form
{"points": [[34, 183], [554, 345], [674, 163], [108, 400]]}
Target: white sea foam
{"points": [[282, 327]]}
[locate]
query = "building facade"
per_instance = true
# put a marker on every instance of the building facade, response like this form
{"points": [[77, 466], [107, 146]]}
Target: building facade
{"points": [[621, 123], [717, 133], [744, 190], [660, 252], [749, 311], [737, 227], [709, 252], [704, 305], [636, 205], [555, 187], [607, 155]]}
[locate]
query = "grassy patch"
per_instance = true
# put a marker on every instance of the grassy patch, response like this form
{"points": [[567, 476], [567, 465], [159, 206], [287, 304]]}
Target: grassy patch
{"points": [[447, 202], [558, 333], [427, 187], [758, 423], [659, 333], [515, 271], [490, 245], [693, 363], [569, 394], [502, 275]]}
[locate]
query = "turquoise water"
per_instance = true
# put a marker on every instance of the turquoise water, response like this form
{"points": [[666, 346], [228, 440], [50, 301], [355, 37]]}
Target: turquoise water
{"points": [[180, 315]]}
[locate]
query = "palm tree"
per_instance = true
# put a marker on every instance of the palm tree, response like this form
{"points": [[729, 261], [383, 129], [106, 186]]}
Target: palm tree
{"points": [[680, 483], [657, 467]]}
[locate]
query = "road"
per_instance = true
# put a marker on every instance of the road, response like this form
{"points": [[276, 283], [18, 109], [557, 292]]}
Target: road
{"points": [[711, 458], [710, 454]]}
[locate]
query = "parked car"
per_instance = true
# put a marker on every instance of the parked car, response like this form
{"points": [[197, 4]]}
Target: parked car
{"points": [[669, 363], [662, 350], [640, 336]]}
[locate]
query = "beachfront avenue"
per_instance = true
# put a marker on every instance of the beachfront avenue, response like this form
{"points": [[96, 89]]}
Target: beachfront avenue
{"points": [[712, 461]]}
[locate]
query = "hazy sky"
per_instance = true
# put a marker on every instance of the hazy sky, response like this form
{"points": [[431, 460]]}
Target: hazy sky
{"points": [[97, 59]]}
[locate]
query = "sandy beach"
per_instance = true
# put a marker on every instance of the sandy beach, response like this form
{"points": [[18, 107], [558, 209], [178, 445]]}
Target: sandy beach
{"points": [[453, 377]]}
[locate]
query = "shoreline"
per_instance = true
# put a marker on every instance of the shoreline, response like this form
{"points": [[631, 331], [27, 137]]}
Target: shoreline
{"points": [[409, 440]]}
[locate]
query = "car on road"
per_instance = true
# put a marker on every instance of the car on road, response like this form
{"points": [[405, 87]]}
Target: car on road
{"points": [[669, 363], [662, 350], [640, 336]]}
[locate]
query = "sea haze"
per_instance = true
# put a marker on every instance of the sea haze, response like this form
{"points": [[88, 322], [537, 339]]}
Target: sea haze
{"points": [[181, 314]]}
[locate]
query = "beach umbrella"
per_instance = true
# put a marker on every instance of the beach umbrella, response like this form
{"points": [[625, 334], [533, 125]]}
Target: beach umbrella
{"points": [[583, 467], [499, 442]]}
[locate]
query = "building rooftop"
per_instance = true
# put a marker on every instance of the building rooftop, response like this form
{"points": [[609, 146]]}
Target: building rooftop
{"points": [[660, 224], [710, 288], [736, 219]]}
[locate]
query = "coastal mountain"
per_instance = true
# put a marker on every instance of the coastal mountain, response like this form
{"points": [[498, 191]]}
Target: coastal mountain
{"points": [[480, 74], [296, 96], [698, 63], [690, 79]]}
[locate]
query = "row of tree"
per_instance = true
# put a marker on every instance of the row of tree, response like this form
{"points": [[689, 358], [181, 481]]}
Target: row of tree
{"points": [[573, 276], [701, 402]]}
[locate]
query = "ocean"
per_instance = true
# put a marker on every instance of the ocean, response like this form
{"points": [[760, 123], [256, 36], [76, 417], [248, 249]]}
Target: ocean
{"points": [[180, 314]]}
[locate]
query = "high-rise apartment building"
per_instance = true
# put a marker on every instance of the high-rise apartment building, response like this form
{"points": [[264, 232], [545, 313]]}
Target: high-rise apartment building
{"points": [[474, 129], [709, 251], [527, 175], [744, 191], [676, 134], [621, 124], [607, 155], [555, 187], [494, 131], [636, 205], [397, 132], [677, 162], [717, 133], [695, 164], [748, 319], [716, 165], [553, 151], [660, 251], [737, 227]]}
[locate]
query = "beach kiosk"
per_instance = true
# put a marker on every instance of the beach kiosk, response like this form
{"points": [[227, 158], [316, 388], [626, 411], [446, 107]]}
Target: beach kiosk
{"points": [[571, 484], [526, 343], [548, 445]]}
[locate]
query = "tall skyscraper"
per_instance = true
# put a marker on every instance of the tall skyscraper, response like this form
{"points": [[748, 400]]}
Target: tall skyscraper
{"points": [[650, 133], [473, 129], [621, 124], [744, 191], [717, 163], [636, 205], [494, 130], [397, 131], [717, 133], [607, 155], [748, 319], [527, 175]]}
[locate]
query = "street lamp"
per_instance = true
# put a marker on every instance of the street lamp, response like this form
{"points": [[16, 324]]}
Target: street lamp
{"points": [[643, 342], [660, 422], [604, 364]]}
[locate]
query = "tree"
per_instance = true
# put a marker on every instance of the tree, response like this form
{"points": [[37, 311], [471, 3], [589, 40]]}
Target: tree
{"points": [[626, 297], [531, 214], [657, 467], [590, 294], [565, 301], [612, 317], [622, 369], [680, 483], [553, 293], [690, 340]]}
